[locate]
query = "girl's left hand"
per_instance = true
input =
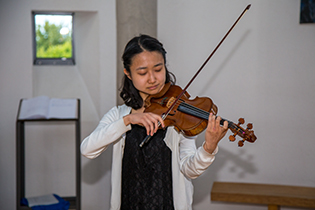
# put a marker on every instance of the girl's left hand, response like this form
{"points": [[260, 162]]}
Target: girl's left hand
{"points": [[214, 133]]}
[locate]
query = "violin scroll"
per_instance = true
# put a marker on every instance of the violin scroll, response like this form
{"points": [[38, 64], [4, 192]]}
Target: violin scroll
{"points": [[247, 134]]}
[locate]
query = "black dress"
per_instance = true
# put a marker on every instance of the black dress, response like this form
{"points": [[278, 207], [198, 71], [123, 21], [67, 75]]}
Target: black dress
{"points": [[146, 172]]}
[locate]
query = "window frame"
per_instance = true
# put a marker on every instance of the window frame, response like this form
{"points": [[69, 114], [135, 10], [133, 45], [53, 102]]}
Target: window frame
{"points": [[52, 61]]}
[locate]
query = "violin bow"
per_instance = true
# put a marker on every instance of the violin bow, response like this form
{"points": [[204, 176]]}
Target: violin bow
{"points": [[147, 138]]}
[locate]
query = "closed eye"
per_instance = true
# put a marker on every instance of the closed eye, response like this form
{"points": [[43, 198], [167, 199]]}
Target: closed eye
{"points": [[142, 74]]}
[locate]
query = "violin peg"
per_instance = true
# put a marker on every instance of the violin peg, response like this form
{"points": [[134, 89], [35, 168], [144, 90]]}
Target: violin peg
{"points": [[249, 126], [241, 143], [241, 121], [232, 138]]}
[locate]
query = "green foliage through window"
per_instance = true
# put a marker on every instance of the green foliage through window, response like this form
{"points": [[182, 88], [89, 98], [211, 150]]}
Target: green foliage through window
{"points": [[53, 36]]}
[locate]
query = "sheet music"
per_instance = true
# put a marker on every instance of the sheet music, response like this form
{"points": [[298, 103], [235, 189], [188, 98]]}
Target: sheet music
{"points": [[62, 108], [34, 108], [43, 107]]}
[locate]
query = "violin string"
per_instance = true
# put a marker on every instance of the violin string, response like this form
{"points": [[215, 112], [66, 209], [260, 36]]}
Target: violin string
{"points": [[201, 113], [205, 114], [195, 111]]}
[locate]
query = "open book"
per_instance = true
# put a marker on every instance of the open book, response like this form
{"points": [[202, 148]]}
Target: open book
{"points": [[43, 107]]}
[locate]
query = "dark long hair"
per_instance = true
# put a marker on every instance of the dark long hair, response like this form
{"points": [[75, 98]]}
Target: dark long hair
{"points": [[135, 46]]}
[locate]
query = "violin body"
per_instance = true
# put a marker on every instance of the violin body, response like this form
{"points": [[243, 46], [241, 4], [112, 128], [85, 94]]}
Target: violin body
{"points": [[189, 125]]}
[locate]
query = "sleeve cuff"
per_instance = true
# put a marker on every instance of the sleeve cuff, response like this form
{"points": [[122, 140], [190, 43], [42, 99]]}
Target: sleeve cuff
{"points": [[122, 126], [205, 153]]}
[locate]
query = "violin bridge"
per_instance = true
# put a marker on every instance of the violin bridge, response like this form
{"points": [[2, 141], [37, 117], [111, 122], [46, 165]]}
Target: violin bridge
{"points": [[170, 102]]}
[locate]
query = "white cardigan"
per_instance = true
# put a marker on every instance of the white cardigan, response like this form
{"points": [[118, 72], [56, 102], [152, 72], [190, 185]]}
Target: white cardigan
{"points": [[188, 162]]}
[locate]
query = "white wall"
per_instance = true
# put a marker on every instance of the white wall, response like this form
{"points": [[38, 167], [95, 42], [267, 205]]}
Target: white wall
{"points": [[264, 72], [92, 80]]}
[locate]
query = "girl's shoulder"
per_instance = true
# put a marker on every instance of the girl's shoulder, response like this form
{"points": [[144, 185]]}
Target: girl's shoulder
{"points": [[119, 111], [116, 112], [123, 109]]}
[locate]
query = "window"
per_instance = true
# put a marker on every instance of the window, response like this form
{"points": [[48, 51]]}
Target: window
{"points": [[53, 38]]}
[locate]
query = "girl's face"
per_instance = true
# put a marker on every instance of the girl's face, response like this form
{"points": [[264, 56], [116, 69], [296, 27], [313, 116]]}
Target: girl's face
{"points": [[147, 73]]}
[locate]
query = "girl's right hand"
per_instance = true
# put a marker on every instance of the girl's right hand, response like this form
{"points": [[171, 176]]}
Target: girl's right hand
{"points": [[148, 120]]}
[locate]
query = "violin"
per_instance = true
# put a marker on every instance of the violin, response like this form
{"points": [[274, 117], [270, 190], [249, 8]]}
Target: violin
{"points": [[191, 116]]}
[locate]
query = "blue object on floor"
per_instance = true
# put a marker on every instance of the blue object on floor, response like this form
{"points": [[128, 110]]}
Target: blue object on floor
{"points": [[61, 205]]}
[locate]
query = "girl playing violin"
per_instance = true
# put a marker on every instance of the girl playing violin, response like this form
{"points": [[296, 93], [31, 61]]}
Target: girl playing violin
{"points": [[157, 175]]}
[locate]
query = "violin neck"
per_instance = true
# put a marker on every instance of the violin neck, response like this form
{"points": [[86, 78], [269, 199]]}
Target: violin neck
{"points": [[194, 111]]}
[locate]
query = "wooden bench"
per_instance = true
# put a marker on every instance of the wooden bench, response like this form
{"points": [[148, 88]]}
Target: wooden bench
{"points": [[272, 195]]}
